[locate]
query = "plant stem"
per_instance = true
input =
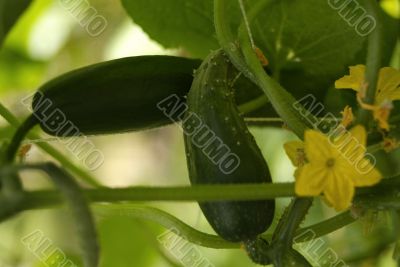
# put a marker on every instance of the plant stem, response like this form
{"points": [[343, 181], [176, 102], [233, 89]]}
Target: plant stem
{"points": [[182, 229], [47, 198], [253, 105], [12, 183], [166, 220], [280, 99], [66, 163], [373, 62], [290, 221], [8, 116], [19, 136], [325, 227], [86, 177]]}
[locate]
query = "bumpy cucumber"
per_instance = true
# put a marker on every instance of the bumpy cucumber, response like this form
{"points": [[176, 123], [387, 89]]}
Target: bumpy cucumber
{"points": [[220, 150], [115, 96]]}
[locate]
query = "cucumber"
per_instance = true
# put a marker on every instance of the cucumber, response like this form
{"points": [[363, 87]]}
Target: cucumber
{"points": [[119, 96], [221, 150], [111, 97]]}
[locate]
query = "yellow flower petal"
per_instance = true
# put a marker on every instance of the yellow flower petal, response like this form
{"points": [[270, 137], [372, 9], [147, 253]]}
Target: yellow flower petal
{"points": [[360, 134], [353, 81], [366, 174], [388, 85], [339, 191], [317, 146], [351, 144], [310, 180], [295, 152]]}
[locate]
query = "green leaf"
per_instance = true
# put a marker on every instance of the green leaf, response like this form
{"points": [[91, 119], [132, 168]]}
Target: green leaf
{"points": [[310, 56], [176, 23], [10, 11], [308, 35]]}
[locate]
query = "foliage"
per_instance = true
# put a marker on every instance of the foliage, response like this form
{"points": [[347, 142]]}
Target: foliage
{"points": [[288, 54]]}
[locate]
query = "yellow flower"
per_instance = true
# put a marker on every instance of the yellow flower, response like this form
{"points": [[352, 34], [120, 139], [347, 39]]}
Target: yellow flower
{"points": [[392, 7], [388, 90], [333, 167], [347, 116]]}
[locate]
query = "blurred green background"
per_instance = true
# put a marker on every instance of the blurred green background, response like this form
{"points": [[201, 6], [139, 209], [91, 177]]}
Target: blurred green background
{"points": [[48, 41]]}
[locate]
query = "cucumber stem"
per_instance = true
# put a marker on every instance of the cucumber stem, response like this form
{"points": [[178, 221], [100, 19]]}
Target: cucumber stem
{"points": [[285, 232], [258, 251], [19, 136], [85, 177], [290, 221], [11, 183]]}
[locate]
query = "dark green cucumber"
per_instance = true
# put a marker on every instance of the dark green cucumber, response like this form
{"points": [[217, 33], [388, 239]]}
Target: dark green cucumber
{"points": [[220, 150], [119, 95], [115, 96]]}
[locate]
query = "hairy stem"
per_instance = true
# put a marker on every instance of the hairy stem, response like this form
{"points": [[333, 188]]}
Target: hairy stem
{"points": [[48, 198]]}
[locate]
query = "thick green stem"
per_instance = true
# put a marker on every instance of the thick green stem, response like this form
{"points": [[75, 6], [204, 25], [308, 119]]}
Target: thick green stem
{"points": [[45, 199], [48, 198], [170, 222], [373, 62], [290, 221]]}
